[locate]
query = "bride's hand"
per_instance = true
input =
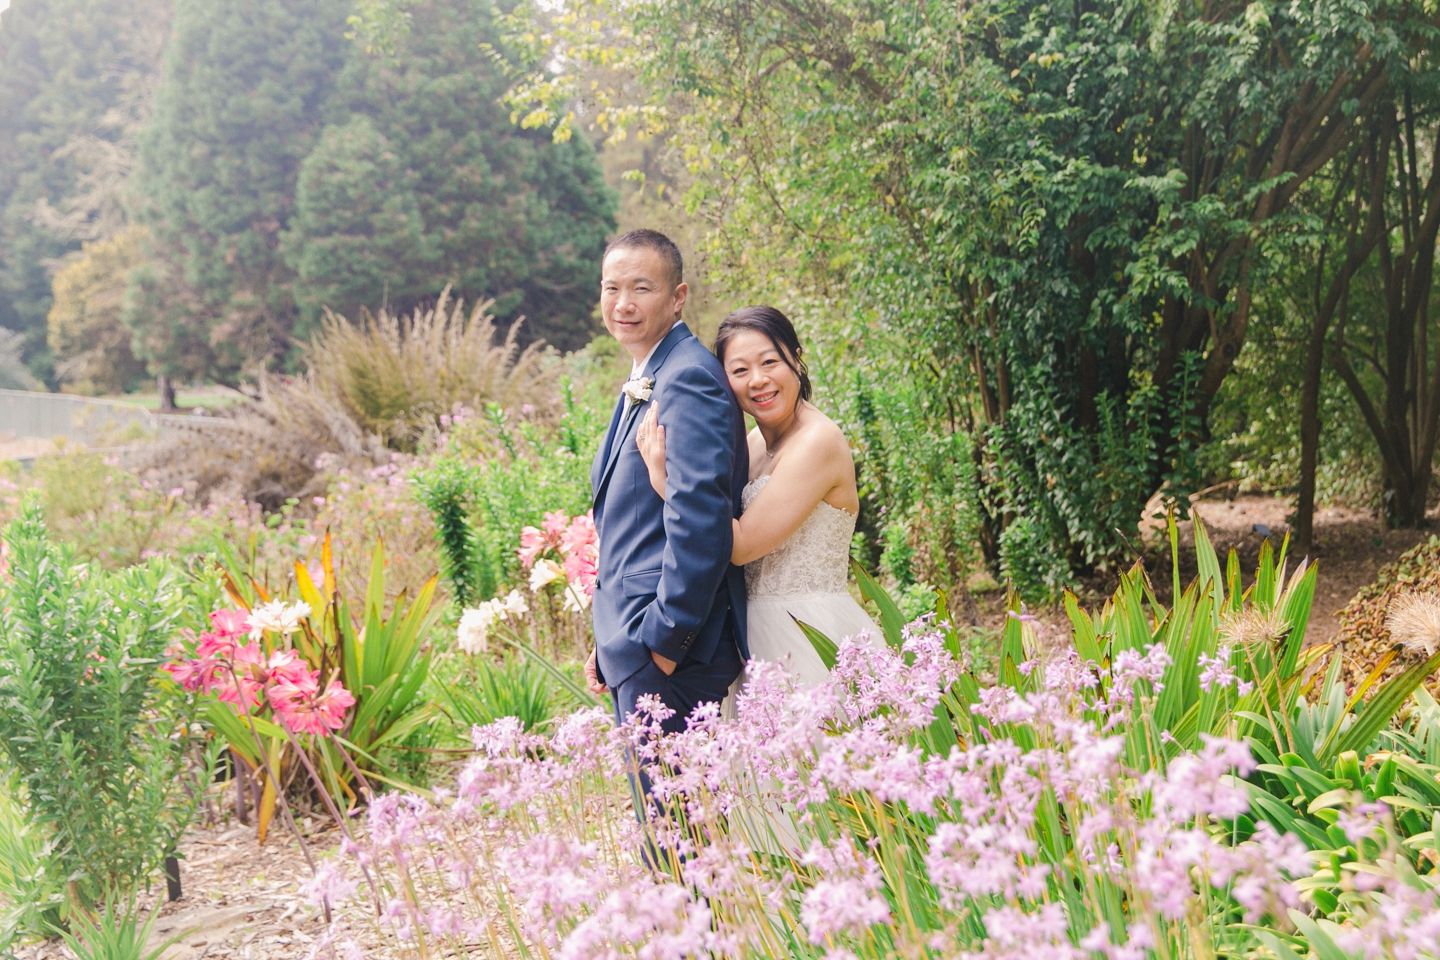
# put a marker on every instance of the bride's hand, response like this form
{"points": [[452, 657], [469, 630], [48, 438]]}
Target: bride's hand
{"points": [[650, 438]]}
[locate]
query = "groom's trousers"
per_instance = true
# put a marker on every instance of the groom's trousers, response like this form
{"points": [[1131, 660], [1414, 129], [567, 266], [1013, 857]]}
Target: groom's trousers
{"points": [[692, 684]]}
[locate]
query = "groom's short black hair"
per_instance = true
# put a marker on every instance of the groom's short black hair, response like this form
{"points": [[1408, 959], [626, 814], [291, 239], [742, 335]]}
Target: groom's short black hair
{"points": [[657, 241]]}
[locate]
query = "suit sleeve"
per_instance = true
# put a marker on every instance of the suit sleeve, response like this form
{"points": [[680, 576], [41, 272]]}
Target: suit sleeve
{"points": [[698, 413]]}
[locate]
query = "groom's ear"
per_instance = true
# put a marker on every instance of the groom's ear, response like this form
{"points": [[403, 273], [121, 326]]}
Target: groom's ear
{"points": [[681, 291]]}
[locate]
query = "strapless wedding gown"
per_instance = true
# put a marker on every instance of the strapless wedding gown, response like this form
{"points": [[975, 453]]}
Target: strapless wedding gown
{"points": [[805, 577]]}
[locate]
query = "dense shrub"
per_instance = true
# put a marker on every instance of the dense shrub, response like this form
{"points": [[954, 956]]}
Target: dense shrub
{"points": [[503, 470], [99, 744]]}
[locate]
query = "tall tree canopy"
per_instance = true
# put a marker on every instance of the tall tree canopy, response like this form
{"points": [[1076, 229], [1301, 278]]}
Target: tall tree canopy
{"points": [[75, 85], [239, 110], [289, 170], [420, 180], [1050, 220]]}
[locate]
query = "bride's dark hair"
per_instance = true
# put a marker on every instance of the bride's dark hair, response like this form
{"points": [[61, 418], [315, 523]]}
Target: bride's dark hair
{"points": [[778, 328]]}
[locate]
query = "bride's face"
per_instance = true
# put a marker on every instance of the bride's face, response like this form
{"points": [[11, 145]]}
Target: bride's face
{"points": [[764, 384]]}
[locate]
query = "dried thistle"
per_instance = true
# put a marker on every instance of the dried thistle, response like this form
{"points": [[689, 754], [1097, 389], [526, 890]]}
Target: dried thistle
{"points": [[1414, 622], [1253, 627]]}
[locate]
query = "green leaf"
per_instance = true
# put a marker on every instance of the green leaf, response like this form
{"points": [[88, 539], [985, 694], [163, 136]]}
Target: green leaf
{"points": [[1208, 563], [892, 621], [1391, 696], [824, 647], [559, 676], [1320, 941], [1083, 630]]}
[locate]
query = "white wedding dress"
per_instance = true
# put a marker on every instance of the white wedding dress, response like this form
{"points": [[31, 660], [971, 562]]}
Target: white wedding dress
{"points": [[805, 577]]}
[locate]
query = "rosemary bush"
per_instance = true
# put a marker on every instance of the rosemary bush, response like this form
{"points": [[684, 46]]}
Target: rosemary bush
{"points": [[99, 744]]}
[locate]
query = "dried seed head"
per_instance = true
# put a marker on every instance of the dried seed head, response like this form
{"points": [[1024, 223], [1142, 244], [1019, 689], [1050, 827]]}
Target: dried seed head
{"points": [[1253, 627], [1414, 622]]}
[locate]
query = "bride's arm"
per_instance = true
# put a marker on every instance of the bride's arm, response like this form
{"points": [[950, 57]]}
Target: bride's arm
{"points": [[803, 477], [806, 474]]}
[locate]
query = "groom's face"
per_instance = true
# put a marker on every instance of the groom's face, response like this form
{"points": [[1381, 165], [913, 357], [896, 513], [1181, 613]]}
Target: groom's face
{"points": [[639, 299]]}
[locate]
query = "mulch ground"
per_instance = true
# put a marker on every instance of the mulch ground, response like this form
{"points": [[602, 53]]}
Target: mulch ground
{"points": [[240, 899]]}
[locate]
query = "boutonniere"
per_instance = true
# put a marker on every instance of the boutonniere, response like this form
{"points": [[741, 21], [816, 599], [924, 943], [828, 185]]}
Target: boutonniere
{"points": [[638, 390]]}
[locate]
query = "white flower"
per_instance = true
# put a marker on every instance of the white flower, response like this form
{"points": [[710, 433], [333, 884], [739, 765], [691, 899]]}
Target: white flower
{"points": [[277, 617], [576, 598], [638, 389], [474, 632], [515, 605], [543, 573]]}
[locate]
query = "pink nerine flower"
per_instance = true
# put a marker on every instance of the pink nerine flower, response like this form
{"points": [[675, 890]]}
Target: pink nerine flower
{"points": [[535, 542], [297, 705], [581, 547], [230, 623], [240, 680]]}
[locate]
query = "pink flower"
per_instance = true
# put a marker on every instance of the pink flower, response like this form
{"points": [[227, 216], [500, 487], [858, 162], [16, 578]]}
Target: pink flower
{"points": [[844, 900], [230, 623], [329, 885], [535, 542], [581, 547], [193, 674], [296, 704], [242, 679]]}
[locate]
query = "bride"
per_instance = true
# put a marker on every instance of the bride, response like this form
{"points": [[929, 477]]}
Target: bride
{"points": [[799, 508]]}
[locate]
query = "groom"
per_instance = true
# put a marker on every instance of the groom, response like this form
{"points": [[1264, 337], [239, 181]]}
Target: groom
{"points": [[669, 608]]}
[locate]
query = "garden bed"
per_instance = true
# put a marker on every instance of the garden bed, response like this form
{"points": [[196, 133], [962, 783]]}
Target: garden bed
{"points": [[239, 899]]}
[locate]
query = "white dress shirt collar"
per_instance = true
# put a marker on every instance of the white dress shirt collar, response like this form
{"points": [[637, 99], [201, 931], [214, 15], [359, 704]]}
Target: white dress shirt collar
{"points": [[637, 367]]}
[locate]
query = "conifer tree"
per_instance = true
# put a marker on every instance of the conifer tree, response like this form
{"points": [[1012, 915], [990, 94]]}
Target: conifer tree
{"points": [[239, 110], [75, 77], [422, 180]]}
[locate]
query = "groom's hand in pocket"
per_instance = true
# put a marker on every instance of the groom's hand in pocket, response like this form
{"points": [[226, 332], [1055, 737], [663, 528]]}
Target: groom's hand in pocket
{"points": [[592, 677], [666, 666]]}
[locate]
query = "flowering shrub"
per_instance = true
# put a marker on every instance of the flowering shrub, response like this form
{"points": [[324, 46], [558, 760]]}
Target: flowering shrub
{"points": [[821, 823], [562, 556], [240, 673], [497, 472], [281, 668]]}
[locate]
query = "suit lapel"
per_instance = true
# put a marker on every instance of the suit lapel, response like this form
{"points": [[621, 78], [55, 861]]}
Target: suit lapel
{"points": [[602, 456], [621, 433]]}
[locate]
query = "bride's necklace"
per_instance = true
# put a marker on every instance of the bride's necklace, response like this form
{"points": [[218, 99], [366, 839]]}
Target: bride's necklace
{"points": [[772, 452]]}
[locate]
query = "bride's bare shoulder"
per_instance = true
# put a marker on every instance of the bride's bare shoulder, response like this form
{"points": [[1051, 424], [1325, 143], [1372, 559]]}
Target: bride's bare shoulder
{"points": [[821, 431]]}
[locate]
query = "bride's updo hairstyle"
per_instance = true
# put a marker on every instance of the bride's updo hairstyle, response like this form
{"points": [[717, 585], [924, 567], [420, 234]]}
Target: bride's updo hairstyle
{"points": [[778, 328]]}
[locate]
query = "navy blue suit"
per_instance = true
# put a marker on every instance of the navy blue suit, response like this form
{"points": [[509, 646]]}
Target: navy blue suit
{"points": [[665, 581]]}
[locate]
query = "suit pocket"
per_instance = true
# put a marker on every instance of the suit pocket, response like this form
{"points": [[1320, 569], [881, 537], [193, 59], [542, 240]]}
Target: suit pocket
{"points": [[642, 584]]}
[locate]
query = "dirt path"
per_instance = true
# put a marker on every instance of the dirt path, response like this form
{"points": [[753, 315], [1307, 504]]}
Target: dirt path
{"points": [[240, 900]]}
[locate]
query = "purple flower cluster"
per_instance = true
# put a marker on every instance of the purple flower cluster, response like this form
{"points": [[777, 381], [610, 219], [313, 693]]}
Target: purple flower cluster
{"points": [[803, 826]]}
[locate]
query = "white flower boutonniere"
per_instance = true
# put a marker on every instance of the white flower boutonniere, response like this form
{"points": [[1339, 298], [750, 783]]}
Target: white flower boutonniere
{"points": [[638, 390]]}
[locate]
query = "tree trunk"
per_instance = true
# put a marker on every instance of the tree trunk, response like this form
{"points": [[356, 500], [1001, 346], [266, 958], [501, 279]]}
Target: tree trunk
{"points": [[1405, 421], [167, 394], [1369, 190]]}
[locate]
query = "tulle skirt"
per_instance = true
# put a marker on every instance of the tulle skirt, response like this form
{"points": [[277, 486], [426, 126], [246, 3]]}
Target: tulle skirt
{"points": [[773, 636]]}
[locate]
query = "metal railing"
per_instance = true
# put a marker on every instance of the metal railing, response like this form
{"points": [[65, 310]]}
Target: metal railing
{"points": [[83, 421]]}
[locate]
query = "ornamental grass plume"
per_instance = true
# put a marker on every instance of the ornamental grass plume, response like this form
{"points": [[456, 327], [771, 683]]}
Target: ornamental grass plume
{"points": [[1414, 623], [1254, 627], [823, 823]]}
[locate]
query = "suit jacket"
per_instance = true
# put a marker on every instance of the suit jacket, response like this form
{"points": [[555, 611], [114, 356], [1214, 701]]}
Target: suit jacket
{"points": [[665, 579]]}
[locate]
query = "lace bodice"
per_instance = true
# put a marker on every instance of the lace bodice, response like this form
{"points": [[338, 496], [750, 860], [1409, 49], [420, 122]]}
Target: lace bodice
{"points": [[815, 560]]}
